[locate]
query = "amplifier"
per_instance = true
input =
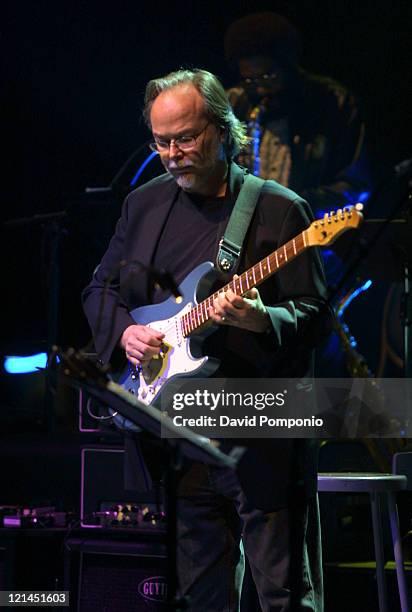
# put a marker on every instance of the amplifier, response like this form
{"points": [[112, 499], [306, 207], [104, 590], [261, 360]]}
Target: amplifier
{"points": [[121, 576], [104, 500]]}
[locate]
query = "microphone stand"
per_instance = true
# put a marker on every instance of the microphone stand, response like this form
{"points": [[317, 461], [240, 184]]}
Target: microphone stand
{"points": [[400, 214], [51, 224], [120, 185]]}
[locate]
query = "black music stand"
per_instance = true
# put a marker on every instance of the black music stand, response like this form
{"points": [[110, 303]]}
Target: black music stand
{"points": [[183, 443]]}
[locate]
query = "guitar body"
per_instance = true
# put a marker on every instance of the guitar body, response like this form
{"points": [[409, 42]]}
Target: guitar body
{"points": [[180, 356]]}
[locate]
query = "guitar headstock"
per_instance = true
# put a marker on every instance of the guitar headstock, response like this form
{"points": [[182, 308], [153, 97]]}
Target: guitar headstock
{"points": [[325, 231]]}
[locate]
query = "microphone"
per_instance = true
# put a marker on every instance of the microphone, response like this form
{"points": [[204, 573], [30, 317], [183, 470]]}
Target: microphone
{"points": [[162, 278], [165, 280]]}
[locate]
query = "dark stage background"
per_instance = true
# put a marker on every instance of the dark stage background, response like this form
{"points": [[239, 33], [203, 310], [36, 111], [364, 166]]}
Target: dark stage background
{"points": [[73, 76], [73, 79]]}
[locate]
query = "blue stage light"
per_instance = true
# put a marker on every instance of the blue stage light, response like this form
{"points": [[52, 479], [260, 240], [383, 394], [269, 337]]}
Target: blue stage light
{"points": [[14, 364]]}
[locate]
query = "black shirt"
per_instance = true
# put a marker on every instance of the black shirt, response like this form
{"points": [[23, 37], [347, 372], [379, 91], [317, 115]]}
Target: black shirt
{"points": [[197, 223]]}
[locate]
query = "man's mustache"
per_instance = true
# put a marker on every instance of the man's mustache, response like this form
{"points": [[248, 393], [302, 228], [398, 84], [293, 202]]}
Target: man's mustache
{"points": [[177, 166]]}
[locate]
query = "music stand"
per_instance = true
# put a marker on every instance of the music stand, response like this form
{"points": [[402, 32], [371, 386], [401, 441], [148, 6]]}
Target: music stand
{"points": [[79, 372]]}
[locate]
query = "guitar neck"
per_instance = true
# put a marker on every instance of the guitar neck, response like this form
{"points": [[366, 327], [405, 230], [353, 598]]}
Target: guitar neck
{"points": [[199, 315]]}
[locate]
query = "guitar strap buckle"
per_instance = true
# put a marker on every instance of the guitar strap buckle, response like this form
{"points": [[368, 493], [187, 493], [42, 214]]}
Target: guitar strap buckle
{"points": [[228, 255], [230, 245]]}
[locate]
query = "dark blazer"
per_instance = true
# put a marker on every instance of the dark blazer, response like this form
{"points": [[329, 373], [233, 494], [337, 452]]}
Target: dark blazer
{"points": [[293, 295], [295, 298]]}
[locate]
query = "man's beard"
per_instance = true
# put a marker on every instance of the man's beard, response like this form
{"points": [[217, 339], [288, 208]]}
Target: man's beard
{"points": [[186, 181]]}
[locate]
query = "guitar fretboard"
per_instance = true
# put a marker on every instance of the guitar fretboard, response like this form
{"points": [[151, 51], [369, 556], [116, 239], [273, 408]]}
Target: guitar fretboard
{"points": [[199, 315]]}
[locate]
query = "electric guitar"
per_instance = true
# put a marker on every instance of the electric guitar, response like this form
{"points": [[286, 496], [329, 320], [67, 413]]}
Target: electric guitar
{"points": [[185, 325]]}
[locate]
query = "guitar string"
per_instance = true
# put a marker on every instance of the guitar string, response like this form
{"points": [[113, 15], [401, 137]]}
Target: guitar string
{"points": [[298, 247], [291, 249]]}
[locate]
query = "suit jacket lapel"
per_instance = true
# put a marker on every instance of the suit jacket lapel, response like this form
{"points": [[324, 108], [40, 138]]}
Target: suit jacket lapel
{"points": [[152, 224], [149, 226]]}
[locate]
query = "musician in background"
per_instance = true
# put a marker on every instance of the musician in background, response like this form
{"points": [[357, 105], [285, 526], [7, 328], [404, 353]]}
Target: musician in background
{"points": [[306, 133], [175, 222], [306, 130]]}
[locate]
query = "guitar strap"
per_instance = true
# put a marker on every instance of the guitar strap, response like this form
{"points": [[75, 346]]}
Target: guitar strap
{"points": [[230, 246]]}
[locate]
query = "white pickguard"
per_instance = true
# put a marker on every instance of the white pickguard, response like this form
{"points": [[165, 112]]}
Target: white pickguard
{"points": [[175, 359]]}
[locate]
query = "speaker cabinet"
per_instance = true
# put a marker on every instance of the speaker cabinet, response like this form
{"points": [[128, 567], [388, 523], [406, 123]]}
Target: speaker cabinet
{"points": [[121, 576]]}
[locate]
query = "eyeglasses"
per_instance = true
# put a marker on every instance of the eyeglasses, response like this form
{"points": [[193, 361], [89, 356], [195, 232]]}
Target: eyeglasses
{"points": [[182, 142], [262, 79]]}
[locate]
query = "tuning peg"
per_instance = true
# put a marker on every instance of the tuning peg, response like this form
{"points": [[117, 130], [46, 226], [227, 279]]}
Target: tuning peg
{"points": [[359, 207], [339, 214], [326, 218]]}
